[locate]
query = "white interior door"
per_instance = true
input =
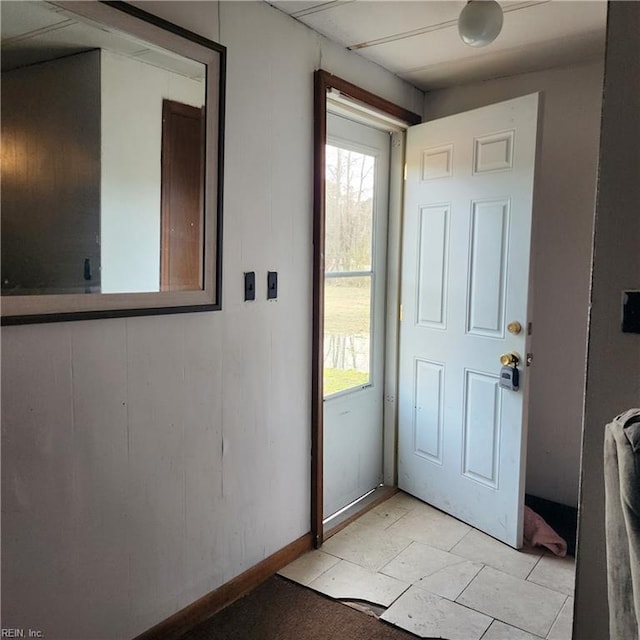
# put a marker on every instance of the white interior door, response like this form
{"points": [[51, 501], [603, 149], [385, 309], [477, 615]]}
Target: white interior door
{"points": [[465, 278], [357, 174]]}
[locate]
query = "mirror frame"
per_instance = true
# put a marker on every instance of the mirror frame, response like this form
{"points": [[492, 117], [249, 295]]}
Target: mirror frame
{"points": [[124, 17]]}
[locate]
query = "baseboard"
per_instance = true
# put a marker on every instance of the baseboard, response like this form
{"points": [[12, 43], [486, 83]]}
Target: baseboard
{"points": [[207, 606]]}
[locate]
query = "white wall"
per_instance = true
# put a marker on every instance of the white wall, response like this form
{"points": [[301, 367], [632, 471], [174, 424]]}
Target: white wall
{"points": [[564, 205], [613, 380], [131, 107], [146, 461]]}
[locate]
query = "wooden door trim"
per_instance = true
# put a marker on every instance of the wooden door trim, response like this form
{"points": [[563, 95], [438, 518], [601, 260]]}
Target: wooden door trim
{"points": [[172, 108], [323, 81]]}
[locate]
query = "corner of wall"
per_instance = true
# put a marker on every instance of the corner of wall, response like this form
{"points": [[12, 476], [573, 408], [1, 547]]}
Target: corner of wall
{"points": [[613, 375]]}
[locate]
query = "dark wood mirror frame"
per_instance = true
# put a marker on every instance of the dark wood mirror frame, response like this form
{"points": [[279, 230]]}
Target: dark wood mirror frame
{"points": [[27, 309]]}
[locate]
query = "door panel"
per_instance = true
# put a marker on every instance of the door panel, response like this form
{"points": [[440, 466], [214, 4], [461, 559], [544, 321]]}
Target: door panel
{"points": [[465, 276], [481, 428], [357, 173], [433, 250], [182, 208], [487, 274], [428, 411]]}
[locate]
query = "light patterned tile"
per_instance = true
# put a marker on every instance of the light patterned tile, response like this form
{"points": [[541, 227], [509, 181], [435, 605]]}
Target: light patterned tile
{"points": [[451, 581], [347, 581], [522, 604], [563, 627], [556, 573], [382, 516], [308, 567], [417, 561], [501, 631], [483, 548], [366, 546], [402, 500], [431, 527], [429, 615]]}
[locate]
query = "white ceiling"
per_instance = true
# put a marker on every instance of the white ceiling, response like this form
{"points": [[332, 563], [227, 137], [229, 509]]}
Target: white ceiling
{"points": [[34, 32], [418, 40]]}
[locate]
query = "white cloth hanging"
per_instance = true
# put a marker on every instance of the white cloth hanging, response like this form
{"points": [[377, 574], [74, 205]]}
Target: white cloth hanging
{"points": [[622, 510]]}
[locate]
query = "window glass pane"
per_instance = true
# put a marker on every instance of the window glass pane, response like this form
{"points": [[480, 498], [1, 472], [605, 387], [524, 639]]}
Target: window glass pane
{"points": [[347, 333], [349, 210]]}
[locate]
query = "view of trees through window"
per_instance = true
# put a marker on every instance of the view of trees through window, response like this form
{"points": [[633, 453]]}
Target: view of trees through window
{"points": [[348, 268]]}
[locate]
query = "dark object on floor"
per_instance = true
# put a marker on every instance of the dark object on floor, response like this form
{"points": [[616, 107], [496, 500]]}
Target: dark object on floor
{"points": [[560, 517], [282, 610]]}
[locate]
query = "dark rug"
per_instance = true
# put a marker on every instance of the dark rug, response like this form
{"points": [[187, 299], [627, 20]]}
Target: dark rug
{"points": [[282, 610]]}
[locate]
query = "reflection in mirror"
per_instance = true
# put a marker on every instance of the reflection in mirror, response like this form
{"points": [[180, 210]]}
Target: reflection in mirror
{"points": [[103, 157]]}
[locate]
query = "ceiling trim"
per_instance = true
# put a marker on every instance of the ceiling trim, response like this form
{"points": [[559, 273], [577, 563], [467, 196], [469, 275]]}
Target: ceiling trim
{"points": [[38, 32], [323, 6], [436, 27]]}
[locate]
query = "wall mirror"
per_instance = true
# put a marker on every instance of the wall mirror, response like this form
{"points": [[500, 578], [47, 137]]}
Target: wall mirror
{"points": [[111, 195]]}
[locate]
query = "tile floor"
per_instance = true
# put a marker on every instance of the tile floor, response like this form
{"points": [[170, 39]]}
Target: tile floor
{"points": [[435, 576]]}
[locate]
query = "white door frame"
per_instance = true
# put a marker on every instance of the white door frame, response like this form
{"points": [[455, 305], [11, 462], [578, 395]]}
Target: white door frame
{"points": [[353, 417], [325, 82]]}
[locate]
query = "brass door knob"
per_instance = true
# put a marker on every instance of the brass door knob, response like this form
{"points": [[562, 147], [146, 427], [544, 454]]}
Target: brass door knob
{"points": [[510, 359], [514, 327]]}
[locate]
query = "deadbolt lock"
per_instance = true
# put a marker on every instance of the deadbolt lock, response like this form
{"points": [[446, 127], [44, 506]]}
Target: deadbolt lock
{"points": [[511, 359], [514, 327]]}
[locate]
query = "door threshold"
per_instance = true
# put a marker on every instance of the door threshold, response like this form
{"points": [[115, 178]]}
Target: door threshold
{"points": [[356, 509]]}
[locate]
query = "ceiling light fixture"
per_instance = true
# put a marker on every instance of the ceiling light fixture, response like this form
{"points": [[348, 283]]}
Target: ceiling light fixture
{"points": [[480, 22]]}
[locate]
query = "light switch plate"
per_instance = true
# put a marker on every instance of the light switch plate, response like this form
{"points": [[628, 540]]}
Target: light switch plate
{"points": [[631, 312], [250, 285], [272, 285]]}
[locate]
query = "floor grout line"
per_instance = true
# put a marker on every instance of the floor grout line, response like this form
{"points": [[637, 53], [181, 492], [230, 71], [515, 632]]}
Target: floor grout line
{"points": [[484, 635], [535, 565], [472, 579], [400, 596], [519, 628], [470, 583], [461, 539], [468, 608], [556, 618]]}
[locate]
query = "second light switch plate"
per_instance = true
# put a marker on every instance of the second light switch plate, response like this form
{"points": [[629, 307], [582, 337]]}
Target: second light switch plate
{"points": [[272, 285]]}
